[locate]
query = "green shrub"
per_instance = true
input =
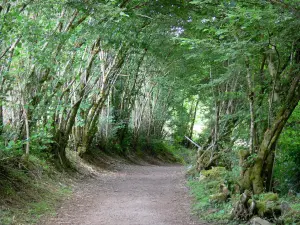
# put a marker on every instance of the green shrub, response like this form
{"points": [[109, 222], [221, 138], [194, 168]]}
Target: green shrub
{"points": [[212, 211]]}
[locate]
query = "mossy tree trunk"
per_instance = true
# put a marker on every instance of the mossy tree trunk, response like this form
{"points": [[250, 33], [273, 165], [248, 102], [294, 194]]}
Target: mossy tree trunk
{"points": [[59, 149], [257, 176]]}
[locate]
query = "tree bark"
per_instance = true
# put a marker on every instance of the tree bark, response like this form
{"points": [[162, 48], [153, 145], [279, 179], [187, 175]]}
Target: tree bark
{"points": [[252, 143], [257, 176]]}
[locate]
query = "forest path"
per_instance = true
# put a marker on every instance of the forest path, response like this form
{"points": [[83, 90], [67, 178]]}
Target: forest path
{"points": [[136, 195]]}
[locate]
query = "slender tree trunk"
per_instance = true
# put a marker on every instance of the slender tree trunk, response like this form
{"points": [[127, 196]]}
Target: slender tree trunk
{"points": [[27, 132], [1, 115], [1, 100], [194, 119], [251, 109]]}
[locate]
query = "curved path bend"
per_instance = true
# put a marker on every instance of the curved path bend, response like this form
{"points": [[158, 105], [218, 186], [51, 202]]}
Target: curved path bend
{"points": [[136, 195]]}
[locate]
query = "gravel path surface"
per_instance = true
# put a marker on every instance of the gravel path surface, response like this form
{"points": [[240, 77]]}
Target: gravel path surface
{"points": [[136, 195]]}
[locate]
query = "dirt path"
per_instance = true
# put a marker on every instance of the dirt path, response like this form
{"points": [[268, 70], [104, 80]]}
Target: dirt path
{"points": [[137, 195]]}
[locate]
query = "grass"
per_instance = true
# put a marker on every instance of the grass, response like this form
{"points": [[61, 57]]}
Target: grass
{"points": [[29, 190], [204, 208], [204, 190]]}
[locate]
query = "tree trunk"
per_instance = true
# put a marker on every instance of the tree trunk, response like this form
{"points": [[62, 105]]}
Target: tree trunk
{"points": [[193, 122], [27, 132], [59, 149], [1, 116], [252, 143], [257, 176]]}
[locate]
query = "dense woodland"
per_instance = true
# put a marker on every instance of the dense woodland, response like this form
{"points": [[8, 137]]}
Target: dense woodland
{"points": [[135, 76]]}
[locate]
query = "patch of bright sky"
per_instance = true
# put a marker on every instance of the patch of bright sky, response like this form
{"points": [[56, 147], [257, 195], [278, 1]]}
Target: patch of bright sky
{"points": [[201, 121]]}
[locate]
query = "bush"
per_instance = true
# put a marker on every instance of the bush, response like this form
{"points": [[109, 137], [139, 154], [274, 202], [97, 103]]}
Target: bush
{"points": [[211, 204]]}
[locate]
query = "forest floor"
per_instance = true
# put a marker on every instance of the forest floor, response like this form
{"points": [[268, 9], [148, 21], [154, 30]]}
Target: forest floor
{"points": [[129, 195]]}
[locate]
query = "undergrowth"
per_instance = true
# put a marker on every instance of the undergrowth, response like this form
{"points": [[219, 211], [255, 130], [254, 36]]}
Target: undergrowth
{"points": [[292, 217], [207, 185], [203, 188], [29, 189]]}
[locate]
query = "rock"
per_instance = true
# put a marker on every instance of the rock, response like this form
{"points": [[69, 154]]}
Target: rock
{"points": [[259, 221]]}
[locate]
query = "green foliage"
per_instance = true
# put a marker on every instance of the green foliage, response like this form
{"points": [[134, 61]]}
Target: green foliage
{"points": [[50, 72], [203, 207], [292, 218], [12, 148], [40, 142], [292, 215], [123, 76], [287, 171]]}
